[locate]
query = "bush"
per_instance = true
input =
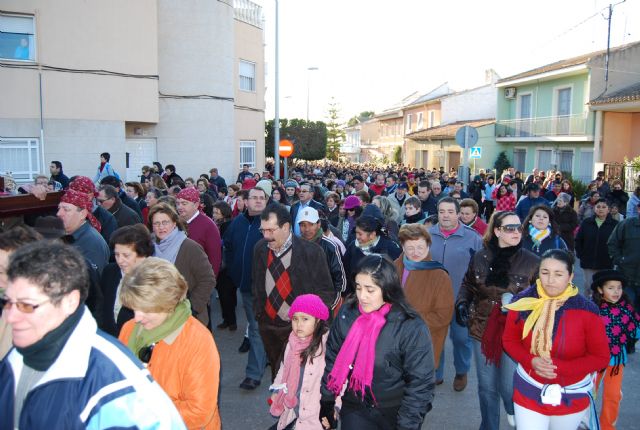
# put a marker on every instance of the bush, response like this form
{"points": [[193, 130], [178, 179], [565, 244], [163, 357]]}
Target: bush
{"points": [[502, 163], [579, 188]]}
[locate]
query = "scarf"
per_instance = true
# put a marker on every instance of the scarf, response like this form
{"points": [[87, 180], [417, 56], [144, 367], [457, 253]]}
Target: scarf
{"points": [[142, 337], [498, 276], [290, 375], [358, 351], [102, 166], [415, 218], [317, 237], [169, 247], [537, 236], [621, 322], [421, 265], [542, 317], [42, 354], [367, 247]]}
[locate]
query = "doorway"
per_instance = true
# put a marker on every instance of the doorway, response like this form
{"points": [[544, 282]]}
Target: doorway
{"points": [[139, 152]]}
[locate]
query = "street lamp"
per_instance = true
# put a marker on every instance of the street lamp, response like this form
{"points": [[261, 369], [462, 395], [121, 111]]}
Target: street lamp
{"points": [[309, 69], [276, 121]]}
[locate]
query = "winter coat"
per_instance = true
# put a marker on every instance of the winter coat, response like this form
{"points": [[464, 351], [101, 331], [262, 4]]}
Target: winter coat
{"points": [[580, 347], [632, 206], [403, 372], [455, 252], [354, 254], [194, 266], [481, 297], [94, 383], [505, 203], [186, 364], [336, 267], [526, 203], [586, 210], [309, 399], [430, 293], [624, 249], [591, 243], [567, 220], [239, 240], [553, 241], [620, 198]]}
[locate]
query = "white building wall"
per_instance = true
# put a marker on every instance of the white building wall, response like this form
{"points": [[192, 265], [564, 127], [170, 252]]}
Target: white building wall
{"points": [[478, 103], [196, 134]]}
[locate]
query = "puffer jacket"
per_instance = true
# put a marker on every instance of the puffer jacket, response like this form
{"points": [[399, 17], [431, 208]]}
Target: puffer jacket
{"points": [[553, 241], [591, 243], [482, 297], [403, 372]]}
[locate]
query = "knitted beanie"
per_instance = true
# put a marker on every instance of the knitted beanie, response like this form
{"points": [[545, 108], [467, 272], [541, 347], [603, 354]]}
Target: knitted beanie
{"points": [[265, 184], [291, 183], [309, 304]]}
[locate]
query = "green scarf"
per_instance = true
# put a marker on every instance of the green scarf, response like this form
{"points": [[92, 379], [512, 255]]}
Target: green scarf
{"points": [[141, 337]]}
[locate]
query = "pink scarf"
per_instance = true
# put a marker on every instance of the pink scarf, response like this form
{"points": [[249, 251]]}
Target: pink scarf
{"points": [[360, 345], [290, 375]]}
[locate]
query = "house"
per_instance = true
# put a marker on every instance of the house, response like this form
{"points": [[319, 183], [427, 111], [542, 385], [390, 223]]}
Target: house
{"points": [[545, 119], [435, 146], [80, 78]]}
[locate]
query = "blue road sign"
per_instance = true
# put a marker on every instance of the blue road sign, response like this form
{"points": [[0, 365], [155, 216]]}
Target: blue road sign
{"points": [[476, 152]]}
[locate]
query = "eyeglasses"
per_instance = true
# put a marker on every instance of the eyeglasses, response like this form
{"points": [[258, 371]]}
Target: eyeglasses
{"points": [[145, 353], [268, 230], [512, 228], [257, 198], [164, 223], [25, 308]]}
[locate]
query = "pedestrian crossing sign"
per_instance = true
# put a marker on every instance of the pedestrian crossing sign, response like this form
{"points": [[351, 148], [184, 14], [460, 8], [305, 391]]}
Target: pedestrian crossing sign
{"points": [[476, 152]]}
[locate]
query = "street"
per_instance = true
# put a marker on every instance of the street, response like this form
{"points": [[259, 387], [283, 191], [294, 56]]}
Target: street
{"points": [[452, 410]]}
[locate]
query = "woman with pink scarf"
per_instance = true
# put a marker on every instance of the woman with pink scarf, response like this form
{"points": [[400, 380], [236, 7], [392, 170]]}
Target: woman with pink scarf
{"points": [[382, 349]]}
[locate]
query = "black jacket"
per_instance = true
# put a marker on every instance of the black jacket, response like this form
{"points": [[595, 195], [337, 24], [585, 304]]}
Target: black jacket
{"points": [[591, 243], [130, 203], [107, 221], [353, 256], [567, 220], [430, 206], [403, 373], [296, 207], [109, 281], [336, 268], [124, 214]]}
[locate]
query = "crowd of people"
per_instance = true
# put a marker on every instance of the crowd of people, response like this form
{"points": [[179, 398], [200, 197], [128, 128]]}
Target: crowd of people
{"points": [[350, 276]]}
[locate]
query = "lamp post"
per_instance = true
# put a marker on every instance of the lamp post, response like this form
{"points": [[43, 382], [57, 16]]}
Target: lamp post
{"points": [[309, 69], [276, 121]]}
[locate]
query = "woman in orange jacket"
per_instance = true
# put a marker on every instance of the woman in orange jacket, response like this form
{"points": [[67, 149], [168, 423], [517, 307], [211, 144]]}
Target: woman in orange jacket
{"points": [[178, 350]]}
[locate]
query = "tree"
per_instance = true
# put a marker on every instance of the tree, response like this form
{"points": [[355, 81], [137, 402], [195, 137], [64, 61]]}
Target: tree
{"points": [[335, 133], [309, 138], [361, 117], [397, 155], [502, 163]]}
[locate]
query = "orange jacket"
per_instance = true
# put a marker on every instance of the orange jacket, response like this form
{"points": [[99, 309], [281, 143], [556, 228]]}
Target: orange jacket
{"points": [[186, 364]]}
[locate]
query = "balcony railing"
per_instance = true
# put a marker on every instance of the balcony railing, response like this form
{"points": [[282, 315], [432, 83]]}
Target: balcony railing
{"points": [[550, 126], [249, 12]]}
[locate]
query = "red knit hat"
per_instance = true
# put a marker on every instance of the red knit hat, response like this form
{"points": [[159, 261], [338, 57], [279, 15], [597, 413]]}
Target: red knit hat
{"points": [[83, 201], [309, 304]]}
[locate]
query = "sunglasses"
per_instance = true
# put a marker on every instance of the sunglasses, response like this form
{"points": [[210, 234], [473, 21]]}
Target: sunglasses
{"points": [[511, 228], [145, 353], [25, 308]]}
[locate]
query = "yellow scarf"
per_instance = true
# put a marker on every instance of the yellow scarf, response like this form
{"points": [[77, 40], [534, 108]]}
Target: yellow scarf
{"points": [[542, 317]]}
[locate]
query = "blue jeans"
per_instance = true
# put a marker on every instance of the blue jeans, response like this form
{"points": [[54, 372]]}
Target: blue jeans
{"points": [[494, 383], [459, 335], [257, 357]]}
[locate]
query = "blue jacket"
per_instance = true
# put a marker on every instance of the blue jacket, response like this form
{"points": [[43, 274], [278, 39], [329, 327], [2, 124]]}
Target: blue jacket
{"points": [[455, 252], [239, 240], [523, 206], [95, 383]]}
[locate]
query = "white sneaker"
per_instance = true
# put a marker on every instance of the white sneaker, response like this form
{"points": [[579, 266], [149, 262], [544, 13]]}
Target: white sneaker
{"points": [[511, 420]]}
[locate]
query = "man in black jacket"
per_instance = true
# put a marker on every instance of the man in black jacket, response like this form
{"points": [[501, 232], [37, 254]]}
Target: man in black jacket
{"points": [[109, 200], [310, 229], [57, 175], [284, 267], [115, 183], [428, 203], [305, 200]]}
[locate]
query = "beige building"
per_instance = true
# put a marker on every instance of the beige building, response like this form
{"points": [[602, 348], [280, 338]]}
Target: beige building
{"points": [[142, 80]]}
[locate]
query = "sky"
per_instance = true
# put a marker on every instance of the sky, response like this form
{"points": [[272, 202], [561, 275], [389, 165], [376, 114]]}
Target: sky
{"points": [[371, 54]]}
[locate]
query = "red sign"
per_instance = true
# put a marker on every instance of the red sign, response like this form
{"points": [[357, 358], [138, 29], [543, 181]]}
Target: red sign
{"points": [[285, 149]]}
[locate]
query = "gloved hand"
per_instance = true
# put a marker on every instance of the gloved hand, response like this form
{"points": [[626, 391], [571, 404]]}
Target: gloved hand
{"points": [[462, 313], [327, 410]]}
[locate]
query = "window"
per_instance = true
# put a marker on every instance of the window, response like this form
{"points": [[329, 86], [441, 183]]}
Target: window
{"points": [[248, 153], [544, 159], [563, 110], [565, 161], [524, 115], [586, 166], [407, 128], [21, 157], [420, 121], [519, 159], [247, 76], [431, 119], [17, 41]]}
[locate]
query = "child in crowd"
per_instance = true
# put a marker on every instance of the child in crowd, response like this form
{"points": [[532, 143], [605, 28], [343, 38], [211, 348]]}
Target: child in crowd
{"points": [[623, 328], [296, 389], [413, 211]]}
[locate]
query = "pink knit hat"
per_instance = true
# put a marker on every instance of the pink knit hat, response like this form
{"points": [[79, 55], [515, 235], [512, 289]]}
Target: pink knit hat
{"points": [[309, 304]]}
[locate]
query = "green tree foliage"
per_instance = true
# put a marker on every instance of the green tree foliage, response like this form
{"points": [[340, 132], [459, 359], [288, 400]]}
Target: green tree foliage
{"points": [[502, 163], [361, 117], [309, 137], [335, 132], [397, 155]]}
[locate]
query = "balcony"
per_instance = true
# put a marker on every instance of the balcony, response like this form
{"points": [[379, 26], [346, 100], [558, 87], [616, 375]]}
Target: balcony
{"points": [[248, 12], [558, 128]]}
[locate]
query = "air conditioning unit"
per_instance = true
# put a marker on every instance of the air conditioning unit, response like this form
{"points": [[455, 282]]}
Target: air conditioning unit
{"points": [[510, 93]]}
